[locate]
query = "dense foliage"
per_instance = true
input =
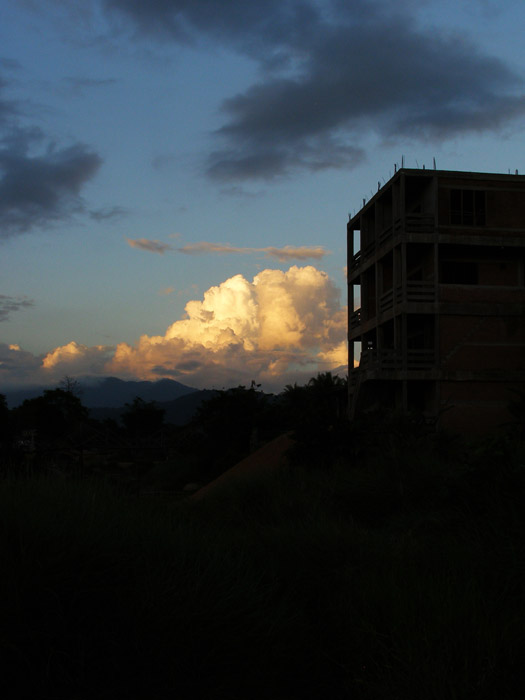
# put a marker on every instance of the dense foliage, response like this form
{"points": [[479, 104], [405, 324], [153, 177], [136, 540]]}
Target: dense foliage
{"points": [[401, 578], [385, 563]]}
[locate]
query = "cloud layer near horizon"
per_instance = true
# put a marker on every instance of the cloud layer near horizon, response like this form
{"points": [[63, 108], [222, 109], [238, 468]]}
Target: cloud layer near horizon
{"points": [[282, 326]]}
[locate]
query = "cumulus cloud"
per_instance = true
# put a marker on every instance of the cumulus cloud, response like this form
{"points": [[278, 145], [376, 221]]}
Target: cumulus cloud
{"points": [[332, 73], [280, 327], [279, 324], [9, 305], [75, 358], [19, 367]]}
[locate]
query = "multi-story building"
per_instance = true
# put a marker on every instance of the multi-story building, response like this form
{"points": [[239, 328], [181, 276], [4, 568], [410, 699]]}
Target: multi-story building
{"points": [[436, 282]]}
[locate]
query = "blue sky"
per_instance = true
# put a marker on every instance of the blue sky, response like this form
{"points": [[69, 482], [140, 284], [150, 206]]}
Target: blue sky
{"points": [[176, 177]]}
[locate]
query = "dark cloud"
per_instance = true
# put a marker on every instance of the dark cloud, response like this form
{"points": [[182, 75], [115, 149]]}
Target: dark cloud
{"points": [[9, 305], [333, 73], [163, 161], [18, 367], [78, 86], [8, 109], [253, 160], [40, 183], [107, 213], [9, 63], [38, 190], [264, 28], [386, 79]]}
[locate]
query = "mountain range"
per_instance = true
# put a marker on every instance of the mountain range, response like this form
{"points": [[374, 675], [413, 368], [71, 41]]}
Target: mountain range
{"points": [[106, 398]]}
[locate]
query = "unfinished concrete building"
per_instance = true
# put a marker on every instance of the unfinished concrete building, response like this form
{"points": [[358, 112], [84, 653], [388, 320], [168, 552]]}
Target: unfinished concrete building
{"points": [[436, 284]]}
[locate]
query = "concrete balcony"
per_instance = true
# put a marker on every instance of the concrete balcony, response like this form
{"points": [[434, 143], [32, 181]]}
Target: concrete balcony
{"points": [[413, 224], [410, 224], [361, 257], [412, 292], [390, 359], [419, 223], [355, 262], [355, 319]]}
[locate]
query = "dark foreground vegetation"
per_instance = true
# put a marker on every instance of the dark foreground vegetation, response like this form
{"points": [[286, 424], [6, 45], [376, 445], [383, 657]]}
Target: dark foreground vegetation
{"points": [[393, 568]]}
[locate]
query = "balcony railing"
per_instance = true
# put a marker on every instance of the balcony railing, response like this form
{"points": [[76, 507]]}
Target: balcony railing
{"points": [[369, 250], [355, 319], [362, 255], [412, 223], [419, 223], [386, 300], [390, 359], [356, 261], [385, 234], [414, 291]]}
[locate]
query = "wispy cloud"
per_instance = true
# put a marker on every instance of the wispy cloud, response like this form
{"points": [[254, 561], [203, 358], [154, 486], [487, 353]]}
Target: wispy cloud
{"points": [[107, 213], [167, 291], [287, 252], [78, 85], [9, 305], [284, 254], [149, 245], [290, 252]]}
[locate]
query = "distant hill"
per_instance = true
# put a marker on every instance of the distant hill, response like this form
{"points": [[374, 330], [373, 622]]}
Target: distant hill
{"points": [[178, 412], [111, 392]]}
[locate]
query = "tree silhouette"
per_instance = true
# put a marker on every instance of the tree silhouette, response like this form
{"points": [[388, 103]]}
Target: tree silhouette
{"points": [[5, 426], [317, 414], [71, 385], [55, 415], [142, 418], [231, 424]]}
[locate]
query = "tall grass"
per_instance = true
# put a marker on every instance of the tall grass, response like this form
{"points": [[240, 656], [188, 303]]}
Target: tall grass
{"points": [[356, 583]]}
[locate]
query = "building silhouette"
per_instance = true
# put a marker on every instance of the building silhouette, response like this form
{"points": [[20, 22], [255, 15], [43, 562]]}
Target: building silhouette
{"points": [[436, 289]]}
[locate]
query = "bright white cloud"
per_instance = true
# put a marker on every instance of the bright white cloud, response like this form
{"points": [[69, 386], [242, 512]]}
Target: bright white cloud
{"points": [[77, 359], [281, 326], [279, 323]]}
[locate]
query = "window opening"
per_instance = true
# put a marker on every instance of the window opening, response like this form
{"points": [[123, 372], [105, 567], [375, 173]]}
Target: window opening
{"points": [[467, 207]]}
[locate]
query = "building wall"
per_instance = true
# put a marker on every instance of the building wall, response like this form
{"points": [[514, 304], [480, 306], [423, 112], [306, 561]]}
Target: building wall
{"points": [[482, 342], [442, 274], [475, 407]]}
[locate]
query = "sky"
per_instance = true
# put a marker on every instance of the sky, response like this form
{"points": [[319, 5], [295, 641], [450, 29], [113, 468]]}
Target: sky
{"points": [[176, 175]]}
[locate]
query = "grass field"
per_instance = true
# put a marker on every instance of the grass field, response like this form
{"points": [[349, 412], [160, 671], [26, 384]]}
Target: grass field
{"points": [[398, 580]]}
